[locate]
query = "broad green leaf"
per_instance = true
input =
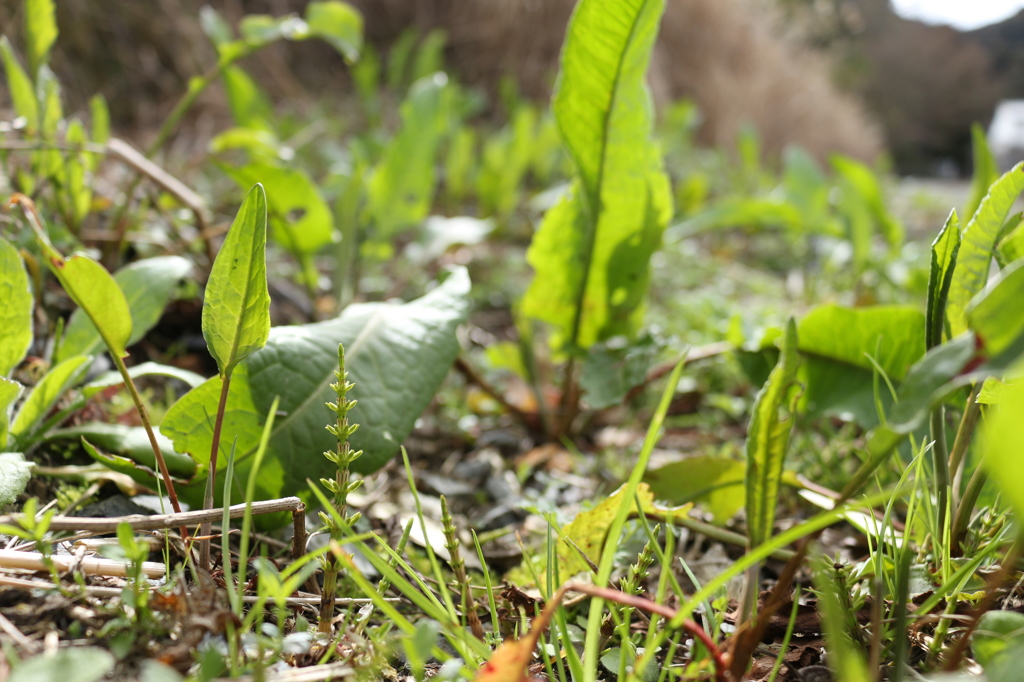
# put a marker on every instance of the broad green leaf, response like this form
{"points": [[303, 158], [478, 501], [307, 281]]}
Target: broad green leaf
{"points": [[986, 170], [19, 85], [944, 253], [15, 473], [768, 440], [592, 253], [397, 355], [1003, 432], [996, 315], [40, 31], [926, 381], [891, 335], [16, 311], [718, 482], [91, 287], [839, 345], [259, 30], [236, 310], [339, 24], [10, 391], [249, 105], [300, 219], [44, 395], [146, 369], [401, 187], [977, 245], [72, 664], [148, 286], [995, 631], [131, 442]]}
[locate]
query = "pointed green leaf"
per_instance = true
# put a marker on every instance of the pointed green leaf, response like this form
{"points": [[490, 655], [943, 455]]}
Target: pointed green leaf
{"points": [[10, 391], [996, 314], [591, 257], [1011, 247], [339, 24], [986, 170], [978, 244], [40, 31], [100, 115], [20, 86], [844, 655], [397, 355], [401, 188], [236, 312], [300, 219], [90, 286], [768, 440], [148, 287], [860, 179], [46, 393], [131, 442], [249, 105], [944, 254], [15, 473], [16, 310], [146, 369]]}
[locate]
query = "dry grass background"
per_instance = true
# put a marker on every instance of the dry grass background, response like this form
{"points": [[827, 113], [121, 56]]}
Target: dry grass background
{"points": [[730, 56]]}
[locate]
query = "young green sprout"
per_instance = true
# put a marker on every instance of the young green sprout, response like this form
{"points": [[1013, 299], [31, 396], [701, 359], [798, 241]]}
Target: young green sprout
{"points": [[339, 487]]}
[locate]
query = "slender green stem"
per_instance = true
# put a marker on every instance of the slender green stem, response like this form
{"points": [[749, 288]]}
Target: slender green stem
{"points": [[144, 416], [966, 509], [963, 436], [204, 545], [940, 463]]}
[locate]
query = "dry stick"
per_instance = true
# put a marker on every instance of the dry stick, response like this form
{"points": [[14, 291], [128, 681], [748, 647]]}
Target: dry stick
{"points": [[473, 377], [204, 546], [34, 561], [162, 521], [17, 635]]}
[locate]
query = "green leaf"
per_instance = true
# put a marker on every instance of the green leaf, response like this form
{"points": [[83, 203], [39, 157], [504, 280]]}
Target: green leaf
{"points": [[215, 26], [986, 170], [10, 391], [839, 345], [300, 219], [72, 664], [15, 473], [718, 482], [148, 286], [1003, 432], [610, 371], [100, 115], [23, 95], [91, 287], [249, 105], [236, 312], [46, 393], [977, 245], [40, 31], [131, 442], [339, 24], [995, 314], [741, 212], [768, 440], [591, 255], [1011, 247], [16, 311], [845, 656], [397, 355], [861, 180], [401, 188], [146, 369], [944, 253], [927, 380], [994, 633]]}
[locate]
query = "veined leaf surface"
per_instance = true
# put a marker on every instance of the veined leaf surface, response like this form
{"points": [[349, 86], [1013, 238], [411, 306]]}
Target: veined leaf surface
{"points": [[16, 309], [236, 312], [147, 285], [397, 356], [591, 255], [944, 253], [768, 440], [978, 244]]}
